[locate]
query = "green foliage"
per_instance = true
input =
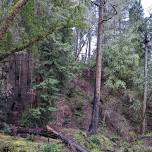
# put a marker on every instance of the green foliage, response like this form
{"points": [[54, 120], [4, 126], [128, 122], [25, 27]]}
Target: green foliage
{"points": [[56, 65], [137, 146], [94, 143], [100, 142], [42, 114], [29, 19], [49, 89], [7, 43], [38, 117], [136, 13], [16, 144], [123, 57], [56, 58], [121, 63], [12, 144], [51, 148]]}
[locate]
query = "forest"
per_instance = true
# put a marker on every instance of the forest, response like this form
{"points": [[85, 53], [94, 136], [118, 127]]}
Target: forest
{"points": [[75, 76]]}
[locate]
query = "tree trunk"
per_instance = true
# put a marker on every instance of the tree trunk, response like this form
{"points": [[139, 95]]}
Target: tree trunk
{"points": [[67, 140], [15, 10], [143, 127], [96, 101]]}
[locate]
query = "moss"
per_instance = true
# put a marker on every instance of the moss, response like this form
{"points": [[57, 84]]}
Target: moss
{"points": [[93, 143], [101, 142], [136, 146], [12, 144], [16, 144], [52, 148]]}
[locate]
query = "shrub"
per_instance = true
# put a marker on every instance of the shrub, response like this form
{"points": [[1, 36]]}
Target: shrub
{"points": [[37, 117]]}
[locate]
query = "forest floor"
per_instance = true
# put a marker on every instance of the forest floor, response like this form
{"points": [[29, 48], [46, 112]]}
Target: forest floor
{"points": [[96, 143]]}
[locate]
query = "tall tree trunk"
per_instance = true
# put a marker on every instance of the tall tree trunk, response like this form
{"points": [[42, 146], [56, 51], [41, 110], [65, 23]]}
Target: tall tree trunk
{"points": [[15, 10], [143, 127], [96, 101]]}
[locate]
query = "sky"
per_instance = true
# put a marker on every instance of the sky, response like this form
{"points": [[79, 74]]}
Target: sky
{"points": [[147, 5]]}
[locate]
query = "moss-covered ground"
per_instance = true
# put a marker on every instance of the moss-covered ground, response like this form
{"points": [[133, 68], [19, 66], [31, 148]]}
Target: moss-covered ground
{"points": [[95, 143]]}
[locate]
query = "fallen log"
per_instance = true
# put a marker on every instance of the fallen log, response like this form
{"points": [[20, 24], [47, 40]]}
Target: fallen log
{"points": [[67, 140], [50, 133], [32, 131]]}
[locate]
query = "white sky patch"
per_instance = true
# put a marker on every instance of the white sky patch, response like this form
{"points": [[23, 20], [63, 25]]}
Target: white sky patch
{"points": [[147, 5]]}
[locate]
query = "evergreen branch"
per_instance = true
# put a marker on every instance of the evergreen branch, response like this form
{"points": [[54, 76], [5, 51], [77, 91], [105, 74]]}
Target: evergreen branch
{"points": [[15, 10], [30, 43]]}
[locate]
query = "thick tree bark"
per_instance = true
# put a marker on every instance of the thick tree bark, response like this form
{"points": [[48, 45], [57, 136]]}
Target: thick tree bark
{"points": [[96, 101], [143, 127], [15, 10]]}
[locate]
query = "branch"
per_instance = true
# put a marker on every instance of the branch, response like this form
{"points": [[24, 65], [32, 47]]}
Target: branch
{"points": [[99, 5], [30, 43], [15, 10], [94, 3], [147, 19], [115, 13], [67, 140], [80, 49]]}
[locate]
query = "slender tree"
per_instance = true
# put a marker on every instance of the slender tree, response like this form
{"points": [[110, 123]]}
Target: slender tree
{"points": [[97, 92], [143, 127]]}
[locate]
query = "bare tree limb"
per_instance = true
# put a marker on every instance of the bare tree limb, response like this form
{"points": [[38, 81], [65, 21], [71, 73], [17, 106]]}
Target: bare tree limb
{"points": [[115, 13], [99, 5], [94, 3]]}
